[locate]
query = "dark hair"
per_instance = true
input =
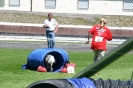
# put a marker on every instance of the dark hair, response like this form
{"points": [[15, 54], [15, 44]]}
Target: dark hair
{"points": [[50, 14]]}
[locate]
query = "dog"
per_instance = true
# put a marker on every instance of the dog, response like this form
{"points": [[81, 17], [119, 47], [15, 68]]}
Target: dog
{"points": [[49, 61]]}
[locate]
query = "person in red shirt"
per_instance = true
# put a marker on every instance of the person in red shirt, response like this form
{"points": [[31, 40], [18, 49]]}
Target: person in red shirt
{"points": [[100, 34]]}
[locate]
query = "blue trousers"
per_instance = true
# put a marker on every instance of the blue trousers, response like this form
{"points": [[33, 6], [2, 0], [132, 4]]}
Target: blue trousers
{"points": [[50, 39]]}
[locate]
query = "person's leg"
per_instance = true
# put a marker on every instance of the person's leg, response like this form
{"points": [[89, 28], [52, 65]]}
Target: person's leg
{"points": [[96, 52], [95, 55], [53, 39], [101, 53], [48, 38]]}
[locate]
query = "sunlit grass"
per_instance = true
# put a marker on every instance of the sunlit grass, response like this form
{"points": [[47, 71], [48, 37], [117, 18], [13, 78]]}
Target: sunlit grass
{"points": [[12, 75]]}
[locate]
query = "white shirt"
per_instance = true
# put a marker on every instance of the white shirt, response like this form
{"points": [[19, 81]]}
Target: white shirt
{"points": [[52, 24]]}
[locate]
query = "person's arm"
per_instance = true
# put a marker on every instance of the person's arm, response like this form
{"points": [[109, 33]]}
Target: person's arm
{"points": [[108, 35], [90, 32], [88, 38], [56, 28], [44, 25]]}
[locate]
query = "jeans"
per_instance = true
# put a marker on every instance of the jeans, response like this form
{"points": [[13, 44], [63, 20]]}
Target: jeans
{"points": [[50, 39], [98, 54]]}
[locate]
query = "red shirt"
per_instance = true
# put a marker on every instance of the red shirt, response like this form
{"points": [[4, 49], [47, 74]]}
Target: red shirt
{"points": [[100, 37]]}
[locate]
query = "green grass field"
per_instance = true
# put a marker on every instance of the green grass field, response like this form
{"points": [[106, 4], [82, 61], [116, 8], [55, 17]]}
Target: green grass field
{"points": [[12, 76]]}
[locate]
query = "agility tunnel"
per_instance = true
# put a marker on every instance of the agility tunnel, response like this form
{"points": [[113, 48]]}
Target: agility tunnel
{"points": [[81, 83], [37, 57]]}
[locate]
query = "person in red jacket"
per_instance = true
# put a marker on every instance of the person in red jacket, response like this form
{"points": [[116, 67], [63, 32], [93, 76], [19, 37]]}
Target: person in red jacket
{"points": [[100, 34]]}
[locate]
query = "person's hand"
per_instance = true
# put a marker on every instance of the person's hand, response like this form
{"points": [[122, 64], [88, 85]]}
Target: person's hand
{"points": [[87, 42], [45, 26], [55, 31]]}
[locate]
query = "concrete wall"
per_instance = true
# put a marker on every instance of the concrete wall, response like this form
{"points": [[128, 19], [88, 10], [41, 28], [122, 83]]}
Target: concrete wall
{"points": [[70, 6], [62, 6], [109, 5], [64, 30], [38, 5], [24, 5], [67, 6]]}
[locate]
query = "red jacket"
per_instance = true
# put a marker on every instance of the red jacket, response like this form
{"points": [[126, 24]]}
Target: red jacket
{"points": [[100, 37]]}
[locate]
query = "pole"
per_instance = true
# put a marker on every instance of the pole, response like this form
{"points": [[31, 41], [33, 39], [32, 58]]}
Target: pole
{"points": [[107, 59], [31, 5]]}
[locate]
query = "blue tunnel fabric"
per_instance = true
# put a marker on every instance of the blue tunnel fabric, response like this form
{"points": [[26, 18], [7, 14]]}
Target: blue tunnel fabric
{"points": [[37, 57], [82, 82]]}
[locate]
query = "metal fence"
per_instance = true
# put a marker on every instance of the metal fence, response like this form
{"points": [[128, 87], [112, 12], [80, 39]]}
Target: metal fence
{"points": [[83, 5], [50, 4], [14, 2], [128, 5]]}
